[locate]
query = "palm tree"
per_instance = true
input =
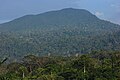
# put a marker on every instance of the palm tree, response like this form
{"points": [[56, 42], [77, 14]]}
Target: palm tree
{"points": [[23, 70]]}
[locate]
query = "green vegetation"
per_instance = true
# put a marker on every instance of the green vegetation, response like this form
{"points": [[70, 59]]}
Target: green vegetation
{"points": [[62, 42], [63, 32], [65, 37], [98, 65]]}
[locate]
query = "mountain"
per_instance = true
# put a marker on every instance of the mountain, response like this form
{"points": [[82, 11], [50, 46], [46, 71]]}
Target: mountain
{"points": [[64, 17], [67, 16], [61, 32]]}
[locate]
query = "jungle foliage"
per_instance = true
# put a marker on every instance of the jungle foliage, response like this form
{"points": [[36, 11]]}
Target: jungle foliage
{"points": [[98, 65]]}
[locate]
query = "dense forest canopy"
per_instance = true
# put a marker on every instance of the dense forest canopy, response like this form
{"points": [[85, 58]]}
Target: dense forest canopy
{"points": [[98, 65]]}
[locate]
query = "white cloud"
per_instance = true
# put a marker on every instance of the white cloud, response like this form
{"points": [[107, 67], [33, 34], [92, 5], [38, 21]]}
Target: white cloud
{"points": [[99, 13], [115, 5]]}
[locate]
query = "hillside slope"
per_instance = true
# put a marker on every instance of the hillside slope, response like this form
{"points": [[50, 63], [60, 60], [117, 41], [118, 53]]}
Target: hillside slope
{"points": [[62, 32]]}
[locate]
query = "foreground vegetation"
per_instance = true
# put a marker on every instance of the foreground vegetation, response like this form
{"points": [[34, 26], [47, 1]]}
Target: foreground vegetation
{"points": [[98, 65]]}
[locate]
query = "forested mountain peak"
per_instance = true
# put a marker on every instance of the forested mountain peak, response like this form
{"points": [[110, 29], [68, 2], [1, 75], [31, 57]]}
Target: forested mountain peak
{"points": [[63, 17], [65, 32]]}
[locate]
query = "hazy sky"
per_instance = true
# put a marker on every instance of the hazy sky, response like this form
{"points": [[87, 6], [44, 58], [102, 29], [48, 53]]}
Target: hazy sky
{"points": [[104, 9]]}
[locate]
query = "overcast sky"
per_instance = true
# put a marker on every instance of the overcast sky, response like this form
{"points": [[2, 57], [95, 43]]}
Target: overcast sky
{"points": [[104, 9]]}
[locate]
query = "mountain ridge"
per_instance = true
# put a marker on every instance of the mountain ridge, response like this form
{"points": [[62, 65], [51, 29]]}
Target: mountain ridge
{"points": [[59, 17], [61, 32]]}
